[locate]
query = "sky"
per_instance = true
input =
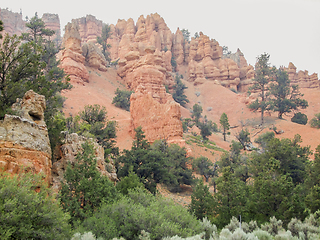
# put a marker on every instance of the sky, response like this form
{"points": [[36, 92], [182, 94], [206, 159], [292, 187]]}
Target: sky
{"points": [[288, 30]]}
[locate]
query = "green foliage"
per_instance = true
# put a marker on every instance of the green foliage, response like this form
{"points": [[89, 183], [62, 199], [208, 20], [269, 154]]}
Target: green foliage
{"points": [[196, 113], [263, 139], [28, 209], [202, 202], [261, 81], [315, 122], [204, 167], [178, 94], [32, 65], [1, 28], [84, 190], [186, 124], [154, 164], [102, 40], [93, 122], [300, 118], [173, 63], [224, 122], [244, 138], [285, 97], [186, 34], [231, 197], [138, 211], [122, 99], [129, 182], [206, 128]]}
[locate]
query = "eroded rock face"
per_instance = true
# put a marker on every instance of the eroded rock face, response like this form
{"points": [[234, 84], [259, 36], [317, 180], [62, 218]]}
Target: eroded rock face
{"points": [[12, 22], [72, 60], [24, 140], [69, 150], [302, 78], [52, 21], [93, 56], [89, 28]]}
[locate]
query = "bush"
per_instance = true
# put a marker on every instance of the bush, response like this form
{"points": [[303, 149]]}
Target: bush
{"points": [[315, 122], [122, 99], [29, 214], [138, 211], [300, 118]]}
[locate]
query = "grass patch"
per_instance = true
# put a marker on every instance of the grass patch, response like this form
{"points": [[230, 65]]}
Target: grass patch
{"points": [[205, 144]]}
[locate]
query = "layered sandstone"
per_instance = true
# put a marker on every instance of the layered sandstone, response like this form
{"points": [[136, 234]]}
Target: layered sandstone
{"points": [[71, 147], [72, 60], [12, 22], [302, 78], [151, 107], [52, 21], [24, 140], [89, 28]]}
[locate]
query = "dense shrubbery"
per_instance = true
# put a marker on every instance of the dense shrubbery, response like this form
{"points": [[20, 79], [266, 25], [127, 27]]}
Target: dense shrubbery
{"points": [[122, 99], [28, 209], [300, 118]]}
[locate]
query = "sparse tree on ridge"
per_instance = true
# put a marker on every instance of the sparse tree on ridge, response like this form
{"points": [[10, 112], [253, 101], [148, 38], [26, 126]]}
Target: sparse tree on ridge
{"points": [[285, 98], [260, 84], [225, 125]]}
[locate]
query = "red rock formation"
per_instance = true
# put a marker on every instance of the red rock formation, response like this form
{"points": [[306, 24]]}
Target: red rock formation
{"points": [[89, 28], [12, 22], [52, 22], [302, 78], [24, 141], [72, 60]]}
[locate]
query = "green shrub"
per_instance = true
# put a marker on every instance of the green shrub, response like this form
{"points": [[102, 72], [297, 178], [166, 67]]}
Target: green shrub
{"points": [[315, 122], [300, 118], [29, 214], [122, 99], [138, 211]]}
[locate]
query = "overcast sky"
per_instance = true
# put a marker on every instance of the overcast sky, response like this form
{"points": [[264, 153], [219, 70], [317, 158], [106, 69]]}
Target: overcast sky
{"points": [[289, 30]]}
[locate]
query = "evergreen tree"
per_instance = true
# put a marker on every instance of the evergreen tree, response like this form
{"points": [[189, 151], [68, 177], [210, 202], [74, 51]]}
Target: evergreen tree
{"points": [[105, 35], [202, 202], [178, 94], [285, 97], [225, 124], [243, 137], [84, 189], [205, 167], [196, 113], [261, 81], [1, 28], [122, 99]]}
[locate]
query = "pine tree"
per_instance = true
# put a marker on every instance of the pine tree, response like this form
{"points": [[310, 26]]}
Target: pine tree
{"points": [[225, 124], [263, 76], [178, 94], [84, 190]]}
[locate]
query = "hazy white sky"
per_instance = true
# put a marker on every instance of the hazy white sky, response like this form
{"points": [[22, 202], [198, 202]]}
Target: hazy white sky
{"points": [[289, 30]]}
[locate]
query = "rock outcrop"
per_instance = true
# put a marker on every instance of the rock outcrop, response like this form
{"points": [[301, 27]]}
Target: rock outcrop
{"points": [[89, 28], [52, 22], [24, 141], [12, 22], [93, 56], [72, 60], [71, 147], [151, 107], [302, 78]]}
